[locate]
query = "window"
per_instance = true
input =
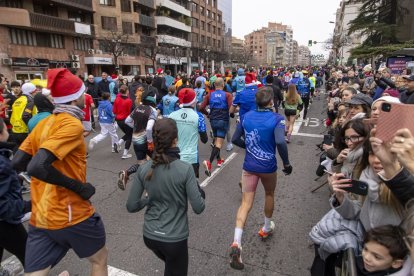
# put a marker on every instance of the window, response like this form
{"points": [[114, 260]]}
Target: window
{"points": [[208, 40], [208, 27], [79, 17], [203, 39], [201, 10], [109, 23], [195, 22], [29, 38], [219, 43], [207, 13], [219, 31], [127, 27], [125, 6], [107, 2], [218, 18], [214, 42], [195, 38], [203, 25], [213, 15], [214, 29], [194, 7], [81, 44], [12, 4], [45, 9]]}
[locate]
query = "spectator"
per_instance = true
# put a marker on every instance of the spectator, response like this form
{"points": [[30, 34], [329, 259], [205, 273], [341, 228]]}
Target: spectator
{"points": [[103, 85], [407, 96]]}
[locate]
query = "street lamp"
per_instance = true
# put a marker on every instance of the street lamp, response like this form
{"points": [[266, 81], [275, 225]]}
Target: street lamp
{"points": [[207, 51]]}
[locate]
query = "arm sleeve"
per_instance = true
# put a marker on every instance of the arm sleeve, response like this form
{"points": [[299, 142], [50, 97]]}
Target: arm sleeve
{"points": [[28, 110], [349, 209], [129, 121], [135, 203], [10, 206], [238, 137], [402, 186], [389, 82], [41, 168], [281, 143], [115, 107], [20, 161], [202, 128], [150, 125], [193, 193]]}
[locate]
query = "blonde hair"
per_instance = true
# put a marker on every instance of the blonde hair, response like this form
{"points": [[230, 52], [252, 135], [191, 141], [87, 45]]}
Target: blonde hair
{"points": [[292, 96], [138, 100]]}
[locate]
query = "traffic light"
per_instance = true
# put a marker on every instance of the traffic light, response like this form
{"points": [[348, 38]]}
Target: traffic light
{"points": [[310, 43]]}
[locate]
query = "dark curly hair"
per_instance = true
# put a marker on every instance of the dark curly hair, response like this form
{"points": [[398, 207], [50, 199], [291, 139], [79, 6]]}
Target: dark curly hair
{"points": [[164, 133]]}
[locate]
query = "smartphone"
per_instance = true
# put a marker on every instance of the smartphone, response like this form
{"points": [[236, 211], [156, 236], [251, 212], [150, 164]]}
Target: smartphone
{"points": [[358, 188], [394, 116], [327, 139]]}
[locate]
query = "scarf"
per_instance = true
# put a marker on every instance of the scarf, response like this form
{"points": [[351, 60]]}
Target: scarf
{"points": [[351, 161], [173, 154], [372, 179], [70, 109]]}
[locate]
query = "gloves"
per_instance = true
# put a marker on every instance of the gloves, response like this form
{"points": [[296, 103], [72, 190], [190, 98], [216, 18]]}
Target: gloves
{"points": [[87, 191], [288, 169], [27, 207], [150, 146], [231, 115], [203, 194]]}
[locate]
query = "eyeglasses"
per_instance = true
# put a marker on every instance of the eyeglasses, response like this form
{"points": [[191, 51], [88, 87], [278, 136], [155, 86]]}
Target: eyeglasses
{"points": [[353, 138], [408, 240]]}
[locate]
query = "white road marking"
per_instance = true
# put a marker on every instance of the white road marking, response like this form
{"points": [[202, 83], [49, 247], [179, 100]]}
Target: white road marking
{"points": [[308, 135], [216, 171], [113, 271]]}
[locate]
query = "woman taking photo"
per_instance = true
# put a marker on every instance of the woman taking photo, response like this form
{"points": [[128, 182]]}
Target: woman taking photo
{"points": [[290, 104], [170, 183]]}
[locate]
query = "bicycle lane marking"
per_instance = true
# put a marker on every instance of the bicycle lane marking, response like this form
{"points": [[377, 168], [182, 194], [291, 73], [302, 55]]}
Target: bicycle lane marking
{"points": [[217, 171]]}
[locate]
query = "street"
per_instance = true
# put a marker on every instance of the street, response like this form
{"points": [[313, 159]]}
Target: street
{"points": [[288, 252]]}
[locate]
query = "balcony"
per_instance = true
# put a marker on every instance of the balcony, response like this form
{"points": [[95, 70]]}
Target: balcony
{"points": [[79, 4], [167, 21], [168, 39], [148, 40], [57, 25], [147, 21], [174, 7], [146, 3]]}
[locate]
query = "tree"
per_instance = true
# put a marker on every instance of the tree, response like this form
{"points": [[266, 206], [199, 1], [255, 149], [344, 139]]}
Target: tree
{"points": [[115, 43], [151, 47], [242, 55], [378, 20]]}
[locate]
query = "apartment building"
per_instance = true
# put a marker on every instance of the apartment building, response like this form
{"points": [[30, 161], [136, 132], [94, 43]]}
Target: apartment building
{"points": [[124, 30], [37, 35], [295, 53], [257, 44], [304, 58], [226, 7], [207, 34]]}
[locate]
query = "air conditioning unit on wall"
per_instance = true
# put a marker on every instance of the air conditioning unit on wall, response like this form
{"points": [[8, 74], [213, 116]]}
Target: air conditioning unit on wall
{"points": [[74, 57], [75, 65], [91, 51], [6, 61]]}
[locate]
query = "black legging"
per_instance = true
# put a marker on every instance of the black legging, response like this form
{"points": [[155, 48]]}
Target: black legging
{"points": [[128, 133], [174, 255], [13, 238], [305, 101]]}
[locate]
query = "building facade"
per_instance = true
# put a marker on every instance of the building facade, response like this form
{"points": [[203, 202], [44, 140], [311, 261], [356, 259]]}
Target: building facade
{"points": [[207, 34], [295, 53], [38, 35], [226, 7], [304, 57]]}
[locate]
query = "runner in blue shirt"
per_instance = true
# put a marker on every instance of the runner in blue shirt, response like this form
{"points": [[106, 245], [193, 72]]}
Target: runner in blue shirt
{"points": [[303, 87], [191, 125], [263, 131], [169, 102]]}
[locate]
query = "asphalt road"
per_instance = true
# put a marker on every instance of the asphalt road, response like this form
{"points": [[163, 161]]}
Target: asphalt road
{"points": [[287, 252]]}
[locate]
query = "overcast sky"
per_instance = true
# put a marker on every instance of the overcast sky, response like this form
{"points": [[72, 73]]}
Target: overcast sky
{"points": [[308, 18]]}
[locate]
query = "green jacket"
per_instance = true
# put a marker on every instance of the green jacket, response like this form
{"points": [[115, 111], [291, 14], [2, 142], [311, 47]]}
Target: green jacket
{"points": [[169, 190]]}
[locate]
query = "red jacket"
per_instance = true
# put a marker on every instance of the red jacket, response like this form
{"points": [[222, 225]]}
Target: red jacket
{"points": [[122, 107]]}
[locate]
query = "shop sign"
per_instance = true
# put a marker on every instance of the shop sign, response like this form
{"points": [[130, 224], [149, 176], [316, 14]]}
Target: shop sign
{"points": [[30, 62]]}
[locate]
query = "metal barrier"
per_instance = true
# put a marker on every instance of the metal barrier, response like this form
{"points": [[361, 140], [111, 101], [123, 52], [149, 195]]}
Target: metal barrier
{"points": [[348, 266]]}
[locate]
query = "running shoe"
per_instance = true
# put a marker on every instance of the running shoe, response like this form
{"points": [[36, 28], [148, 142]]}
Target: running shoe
{"points": [[126, 156], [207, 166], [220, 162], [263, 234], [115, 148], [229, 147], [24, 176], [235, 257], [122, 180], [92, 144], [25, 189]]}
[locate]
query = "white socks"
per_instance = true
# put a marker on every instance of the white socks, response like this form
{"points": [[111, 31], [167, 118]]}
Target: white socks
{"points": [[238, 232], [266, 226], [125, 151]]}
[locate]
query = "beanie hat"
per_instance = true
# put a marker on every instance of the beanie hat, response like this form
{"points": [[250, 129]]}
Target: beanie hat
{"points": [[388, 99], [42, 103], [240, 72], [28, 88], [64, 86], [187, 97]]}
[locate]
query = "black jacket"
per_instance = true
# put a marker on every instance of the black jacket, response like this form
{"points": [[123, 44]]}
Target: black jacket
{"points": [[277, 82], [103, 86], [12, 205], [407, 97], [402, 186], [92, 89]]}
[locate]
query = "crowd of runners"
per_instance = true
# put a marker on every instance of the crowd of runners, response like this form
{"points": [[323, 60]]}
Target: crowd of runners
{"points": [[163, 118]]}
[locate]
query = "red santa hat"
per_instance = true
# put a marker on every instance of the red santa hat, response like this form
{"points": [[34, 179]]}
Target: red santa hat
{"points": [[160, 71], [187, 97], [64, 86], [250, 79]]}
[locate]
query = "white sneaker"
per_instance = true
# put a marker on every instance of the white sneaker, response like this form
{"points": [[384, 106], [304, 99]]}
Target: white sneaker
{"points": [[92, 144], [126, 156], [229, 147]]}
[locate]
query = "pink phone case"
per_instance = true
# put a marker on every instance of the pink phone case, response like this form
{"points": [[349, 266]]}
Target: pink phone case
{"points": [[400, 116]]}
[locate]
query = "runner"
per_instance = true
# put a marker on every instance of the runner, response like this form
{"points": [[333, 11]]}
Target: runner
{"points": [[303, 87], [106, 120], [291, 104], [170, 184], [191, 125], [220, 103], [259, 164], [142, 120], [169, 102], [62, 215], [122, 108]]}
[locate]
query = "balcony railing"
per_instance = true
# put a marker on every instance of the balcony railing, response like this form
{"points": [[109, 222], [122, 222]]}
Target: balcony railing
{"points": [[57, 25], [148, 40], [147, 3], [80, 4], [147, 21]]}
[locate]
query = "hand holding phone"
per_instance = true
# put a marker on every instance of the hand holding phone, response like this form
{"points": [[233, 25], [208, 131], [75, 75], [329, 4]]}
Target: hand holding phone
{"points": [[342, 156], [392, 118]]}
